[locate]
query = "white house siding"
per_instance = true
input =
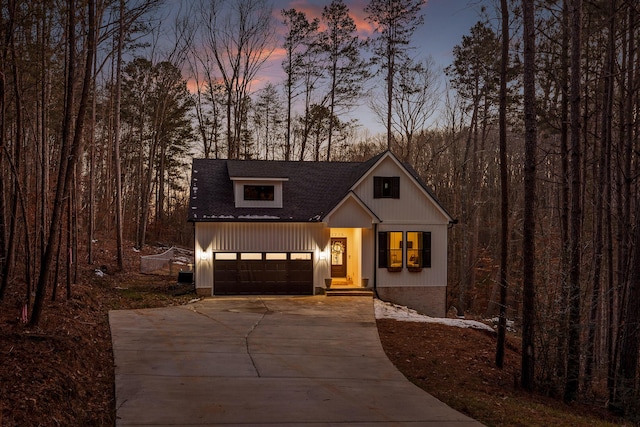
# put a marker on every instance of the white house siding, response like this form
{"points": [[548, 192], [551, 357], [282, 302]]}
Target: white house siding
{"points": [[413, 206], [426, 290], [434, 276], [357, 218], [369, 254], [213, 237]]}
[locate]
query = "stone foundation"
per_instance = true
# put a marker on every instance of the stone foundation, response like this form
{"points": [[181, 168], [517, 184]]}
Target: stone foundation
{"points": [[426, 300]]}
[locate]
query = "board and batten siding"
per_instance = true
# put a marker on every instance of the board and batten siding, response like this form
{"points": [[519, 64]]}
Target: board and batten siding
{"points": [[434, 276], [212, 237], [413, 206], [413, 211]]}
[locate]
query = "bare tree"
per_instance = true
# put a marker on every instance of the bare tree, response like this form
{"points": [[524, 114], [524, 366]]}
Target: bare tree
{"points": [[395, 23], [209, 99], [346, 68], [573, 346], [116, 133], [603, 187], [473, 76], [621, 372], [299, 42], [415, 102], [626, 395], [504, 186], [239, 37], [72, 143], [529, 221], [6, 31]]}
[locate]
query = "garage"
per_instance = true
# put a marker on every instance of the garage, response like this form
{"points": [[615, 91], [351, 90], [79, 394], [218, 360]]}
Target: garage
{"points": [[263, 273]]}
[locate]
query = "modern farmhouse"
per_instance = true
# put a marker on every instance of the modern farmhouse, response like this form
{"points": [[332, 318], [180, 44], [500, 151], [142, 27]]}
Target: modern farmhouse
{"points": [[283, 228]]}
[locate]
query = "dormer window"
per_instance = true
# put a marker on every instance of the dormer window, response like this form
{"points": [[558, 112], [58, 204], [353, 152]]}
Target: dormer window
{"points": [[252, 192], [259, 192], [386, 187]]}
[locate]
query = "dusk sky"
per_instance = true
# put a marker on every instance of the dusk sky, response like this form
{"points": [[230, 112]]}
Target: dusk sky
{"points": [[445, 22]]}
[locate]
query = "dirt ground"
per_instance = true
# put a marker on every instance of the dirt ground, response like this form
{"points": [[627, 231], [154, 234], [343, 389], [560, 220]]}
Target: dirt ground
{"points": [[61, 373]]}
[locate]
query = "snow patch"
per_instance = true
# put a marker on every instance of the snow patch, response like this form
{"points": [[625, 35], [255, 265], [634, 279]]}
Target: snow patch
{"points": [[386, 310], [510, 323], [258, 217]]}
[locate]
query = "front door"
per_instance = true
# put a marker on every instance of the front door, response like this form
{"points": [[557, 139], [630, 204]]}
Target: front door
{"points": [[339, 257]]}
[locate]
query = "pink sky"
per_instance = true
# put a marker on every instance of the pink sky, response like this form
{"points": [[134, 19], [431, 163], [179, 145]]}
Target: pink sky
{"points": [[445, 22]]}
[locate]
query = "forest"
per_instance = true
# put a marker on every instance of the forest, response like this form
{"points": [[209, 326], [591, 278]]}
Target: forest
{"points": [[529, 138]]}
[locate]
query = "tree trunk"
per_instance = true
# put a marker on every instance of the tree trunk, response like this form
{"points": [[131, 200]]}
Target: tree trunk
{"points": [[602, 183], [116, 140], [71, 148], [561, 348], [91, 196], [625, 400], [573, 345], [504, 188], [13, 221], [529, 221]]}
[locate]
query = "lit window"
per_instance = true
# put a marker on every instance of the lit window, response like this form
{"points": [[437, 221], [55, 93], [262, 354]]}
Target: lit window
{"points": [[250, 255], [226, 256], [390, 250], [418, 249], [300, 256], [276, 256]]}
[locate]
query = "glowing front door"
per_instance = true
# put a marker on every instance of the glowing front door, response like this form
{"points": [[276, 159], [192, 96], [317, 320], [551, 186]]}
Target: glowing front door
{"points": [[339, 257]]}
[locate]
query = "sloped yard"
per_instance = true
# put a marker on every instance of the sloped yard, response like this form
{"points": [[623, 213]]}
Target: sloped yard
{"points": [[61, 374]]}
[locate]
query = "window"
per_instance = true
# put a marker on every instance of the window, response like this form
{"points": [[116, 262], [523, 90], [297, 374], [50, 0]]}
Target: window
{"points": [[418, 250], [390, 252], [226, 256], [392, 249], [259, 192], [386, 187]]}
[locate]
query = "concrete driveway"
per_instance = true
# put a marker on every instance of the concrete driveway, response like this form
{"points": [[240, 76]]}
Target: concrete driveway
{"points": [[263, 361]]}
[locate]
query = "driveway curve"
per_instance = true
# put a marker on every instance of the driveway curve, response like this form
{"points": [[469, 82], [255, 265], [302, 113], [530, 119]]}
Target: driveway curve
{"points": [[263, 361]]}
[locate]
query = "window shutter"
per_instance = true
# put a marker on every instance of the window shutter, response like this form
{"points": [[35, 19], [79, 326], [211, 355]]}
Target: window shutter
{"points": [[395, 187], [426, 249], [382, 250], [378, 183]]}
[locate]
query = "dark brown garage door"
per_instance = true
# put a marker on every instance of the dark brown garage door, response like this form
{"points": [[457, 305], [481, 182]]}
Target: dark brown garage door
{"points": [[263, 274]]}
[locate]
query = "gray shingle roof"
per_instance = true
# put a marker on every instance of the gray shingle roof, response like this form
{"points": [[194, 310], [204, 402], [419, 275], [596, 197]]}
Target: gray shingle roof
{"points": [[311, 190]]}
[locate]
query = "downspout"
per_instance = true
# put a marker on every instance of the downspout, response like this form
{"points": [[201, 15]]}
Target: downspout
{"points": [[375, 260]]}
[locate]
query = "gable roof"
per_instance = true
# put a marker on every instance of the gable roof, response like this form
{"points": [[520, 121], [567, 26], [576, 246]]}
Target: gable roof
{"points": [[413, 174], [310, 190]]}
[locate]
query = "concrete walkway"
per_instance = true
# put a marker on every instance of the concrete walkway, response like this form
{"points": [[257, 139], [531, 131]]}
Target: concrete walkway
{"points": [[263, 361]]}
